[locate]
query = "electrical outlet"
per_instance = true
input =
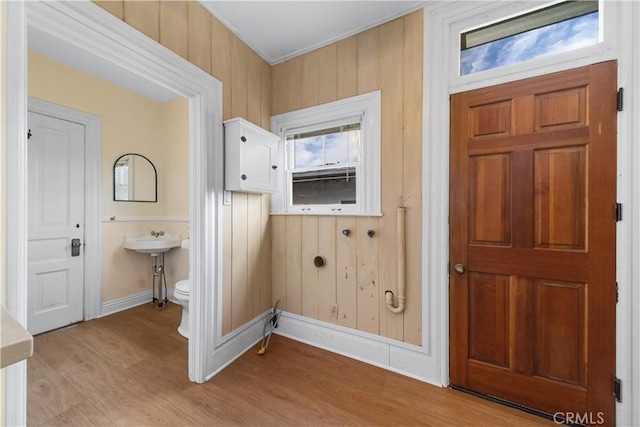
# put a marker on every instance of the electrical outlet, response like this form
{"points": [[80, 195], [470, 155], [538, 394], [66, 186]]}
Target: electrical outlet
{"points": [[334, 310]]}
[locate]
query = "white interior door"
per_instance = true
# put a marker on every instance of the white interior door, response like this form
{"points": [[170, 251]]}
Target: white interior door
{"points": [[56, 223]]}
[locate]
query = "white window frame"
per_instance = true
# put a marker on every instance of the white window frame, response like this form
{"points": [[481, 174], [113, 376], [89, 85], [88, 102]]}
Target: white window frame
{"points": [[532, 9], [364, 107]]}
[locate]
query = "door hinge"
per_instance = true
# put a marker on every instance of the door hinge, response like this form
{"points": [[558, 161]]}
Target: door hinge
{"points": [[619, 100], [29, 134], [618, 212], [617, 389], [617, 293]]}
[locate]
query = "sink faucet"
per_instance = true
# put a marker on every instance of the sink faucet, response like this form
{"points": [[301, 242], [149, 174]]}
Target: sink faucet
{"points": [[157, 233]]}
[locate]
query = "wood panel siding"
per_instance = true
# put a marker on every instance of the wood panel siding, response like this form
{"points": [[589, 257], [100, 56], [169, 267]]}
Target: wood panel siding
{"points": [[359, 268], [278, 257], [199, 36], [293, 88], [265, 255], [174, 26], [279, 86], [116, 8], [144, 16], [265, 95], [239, 88], [346, 268], [309, 243], [412, 172], [190, 31], [293, 261], [221, 62], [254, 85], [327, 74], [240, 296], [327, 274], [346, 67], [391, 80], [310, 74]]}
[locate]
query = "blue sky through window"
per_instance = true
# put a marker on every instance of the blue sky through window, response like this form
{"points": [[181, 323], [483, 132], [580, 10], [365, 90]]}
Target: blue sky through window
{"points": [[561, 37], [308, 152], [331, 149]]}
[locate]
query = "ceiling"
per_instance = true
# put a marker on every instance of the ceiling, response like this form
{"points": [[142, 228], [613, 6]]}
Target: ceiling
{"points": [[276, 30], [280, 30]]}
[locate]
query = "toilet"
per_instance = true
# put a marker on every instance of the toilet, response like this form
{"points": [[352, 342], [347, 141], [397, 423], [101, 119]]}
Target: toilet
{"points": [[181, 296]]}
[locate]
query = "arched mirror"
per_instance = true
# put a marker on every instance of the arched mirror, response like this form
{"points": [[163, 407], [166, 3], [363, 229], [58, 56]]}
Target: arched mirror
{"points": [[134, 179]]}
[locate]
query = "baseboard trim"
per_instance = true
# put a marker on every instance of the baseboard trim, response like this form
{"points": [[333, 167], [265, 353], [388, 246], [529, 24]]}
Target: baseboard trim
{"points": [[238, 343], [130, 301], [365, 347]]}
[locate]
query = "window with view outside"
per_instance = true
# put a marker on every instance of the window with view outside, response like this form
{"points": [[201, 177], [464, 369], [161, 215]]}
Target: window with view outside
{"points": [[560, 28], [325, 166]]}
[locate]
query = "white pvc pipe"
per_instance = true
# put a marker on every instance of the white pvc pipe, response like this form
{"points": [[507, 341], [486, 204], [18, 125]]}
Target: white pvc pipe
{"points": [[388, 295]]}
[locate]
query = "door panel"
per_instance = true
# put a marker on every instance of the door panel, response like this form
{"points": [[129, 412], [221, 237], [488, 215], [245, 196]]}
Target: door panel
{"points": [[490, 120], [490, 200], [532, 196], [560, 351], [560, 198], [561, 109], [488, 314], [56, 216]]}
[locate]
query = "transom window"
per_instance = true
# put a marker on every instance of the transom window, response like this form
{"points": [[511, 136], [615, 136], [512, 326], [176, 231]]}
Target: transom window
{"points": [[563, 27], [331, 155]]}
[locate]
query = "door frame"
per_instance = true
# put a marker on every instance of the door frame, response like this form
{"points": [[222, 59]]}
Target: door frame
{"points": [[92, 277], [93, 29], [441, 21]]}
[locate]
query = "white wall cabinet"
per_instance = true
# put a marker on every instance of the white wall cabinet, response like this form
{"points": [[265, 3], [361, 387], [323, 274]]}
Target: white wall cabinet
{"points": [[251, 157]]}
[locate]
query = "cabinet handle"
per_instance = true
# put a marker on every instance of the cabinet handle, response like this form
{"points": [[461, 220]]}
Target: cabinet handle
{"points": [[243, 138], [274, 167], [243, 177]]}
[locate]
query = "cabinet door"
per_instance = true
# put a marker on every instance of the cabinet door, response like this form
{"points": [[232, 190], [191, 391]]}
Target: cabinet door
{"points": [[258, 162]]}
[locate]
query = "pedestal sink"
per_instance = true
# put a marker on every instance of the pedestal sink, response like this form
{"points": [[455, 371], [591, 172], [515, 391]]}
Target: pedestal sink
{"points": [[147, 243], [154, 244]]}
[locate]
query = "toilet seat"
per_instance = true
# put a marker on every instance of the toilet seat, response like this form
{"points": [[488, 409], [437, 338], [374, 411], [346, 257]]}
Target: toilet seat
{"points": [[181, 296]]}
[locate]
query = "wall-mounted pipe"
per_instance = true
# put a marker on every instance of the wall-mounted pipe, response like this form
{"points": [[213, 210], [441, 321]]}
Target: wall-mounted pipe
{"points": [[402, 248]]}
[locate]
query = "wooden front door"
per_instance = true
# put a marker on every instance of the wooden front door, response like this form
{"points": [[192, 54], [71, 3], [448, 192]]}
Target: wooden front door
{"points": [[532, 242]]}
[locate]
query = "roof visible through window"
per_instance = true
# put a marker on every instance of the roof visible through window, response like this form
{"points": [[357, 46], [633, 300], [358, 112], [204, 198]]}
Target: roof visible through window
{"points": [[563, 36]]}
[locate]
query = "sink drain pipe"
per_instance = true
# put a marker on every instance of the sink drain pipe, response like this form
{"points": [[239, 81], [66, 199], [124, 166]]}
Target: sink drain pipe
{"points": [[402, 248]]}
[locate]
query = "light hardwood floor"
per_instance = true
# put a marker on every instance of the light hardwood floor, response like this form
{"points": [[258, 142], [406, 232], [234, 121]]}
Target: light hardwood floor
{"points": [[130, 368]]}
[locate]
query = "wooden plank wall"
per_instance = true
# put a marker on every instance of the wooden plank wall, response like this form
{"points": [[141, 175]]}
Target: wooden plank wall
{"points": [[190, 31], [359, 269]]}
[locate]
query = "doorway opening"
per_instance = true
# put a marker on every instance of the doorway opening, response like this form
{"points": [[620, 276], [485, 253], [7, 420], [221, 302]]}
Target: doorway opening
{"points": [[110, 40]]}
